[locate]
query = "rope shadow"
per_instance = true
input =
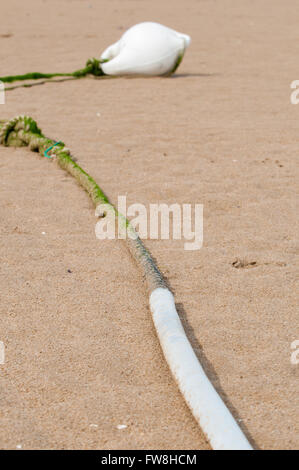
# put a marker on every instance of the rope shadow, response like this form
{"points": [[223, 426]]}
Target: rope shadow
{"points": [[211, 373], [32, 84], [103, 77]]}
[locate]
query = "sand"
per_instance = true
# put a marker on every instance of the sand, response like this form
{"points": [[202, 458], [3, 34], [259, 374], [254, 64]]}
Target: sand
{"points": [[82, 356]]}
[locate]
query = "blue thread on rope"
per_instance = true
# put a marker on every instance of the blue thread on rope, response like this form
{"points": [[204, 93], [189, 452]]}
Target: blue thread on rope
{"points": [[46, 151]]}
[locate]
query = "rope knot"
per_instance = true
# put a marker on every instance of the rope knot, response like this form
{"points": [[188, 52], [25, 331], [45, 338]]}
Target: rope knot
{"points": [[94, 67]]}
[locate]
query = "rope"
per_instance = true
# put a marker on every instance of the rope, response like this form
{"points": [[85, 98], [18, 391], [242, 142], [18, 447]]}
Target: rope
{"points": [[203, 400], [24, 131], [93, 67]]}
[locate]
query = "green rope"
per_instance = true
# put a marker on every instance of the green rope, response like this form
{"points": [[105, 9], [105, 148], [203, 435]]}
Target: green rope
{"points": [[93, 67], [24, 131]]}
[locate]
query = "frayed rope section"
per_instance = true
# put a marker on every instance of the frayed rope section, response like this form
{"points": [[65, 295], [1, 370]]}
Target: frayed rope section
{"points": [[206, 405], [93, 67]]}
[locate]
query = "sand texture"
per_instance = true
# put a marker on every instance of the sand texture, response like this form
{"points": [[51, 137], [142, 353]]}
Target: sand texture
{"points": [[82, 356]]}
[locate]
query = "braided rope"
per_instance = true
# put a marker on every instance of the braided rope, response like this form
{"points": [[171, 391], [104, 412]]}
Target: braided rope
{"points": [[206, 405], [24, 131]]}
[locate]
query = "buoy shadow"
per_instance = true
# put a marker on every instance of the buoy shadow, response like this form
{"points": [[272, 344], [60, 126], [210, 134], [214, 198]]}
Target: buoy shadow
{"points": [[185, 75]]}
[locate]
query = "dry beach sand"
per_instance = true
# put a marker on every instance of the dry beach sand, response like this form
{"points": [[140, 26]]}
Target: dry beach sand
{"points": [[82, 356]]}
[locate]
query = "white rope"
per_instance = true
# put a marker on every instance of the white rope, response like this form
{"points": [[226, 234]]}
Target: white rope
{"points": [[206, 405]]}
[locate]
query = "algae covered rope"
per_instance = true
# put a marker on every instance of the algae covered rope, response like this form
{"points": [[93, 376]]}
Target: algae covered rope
{"points": [[206, 405], [93, 67], [24, 131]]}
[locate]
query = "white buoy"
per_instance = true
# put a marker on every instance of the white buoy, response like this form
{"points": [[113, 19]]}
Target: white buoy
{"points": [[146, 49]]}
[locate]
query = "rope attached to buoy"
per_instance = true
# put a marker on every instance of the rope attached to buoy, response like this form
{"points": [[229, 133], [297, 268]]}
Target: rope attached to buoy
{"points": [[92, 67]]}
